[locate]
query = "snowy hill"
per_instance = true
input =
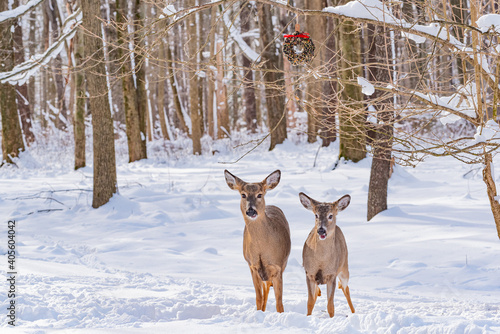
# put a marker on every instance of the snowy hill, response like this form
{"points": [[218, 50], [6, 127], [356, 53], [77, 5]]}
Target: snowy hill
{"points": [[165, 255]]}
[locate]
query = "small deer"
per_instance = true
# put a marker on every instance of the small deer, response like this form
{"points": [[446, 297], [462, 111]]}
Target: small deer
{"points": [[266, 238], [325, 252]]}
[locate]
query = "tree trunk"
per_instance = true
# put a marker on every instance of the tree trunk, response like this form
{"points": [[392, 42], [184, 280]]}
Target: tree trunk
{"points": [[53, 15], [352, 116], [102, 123], [194, 99], [79, 119], [135, 138], [211, 76], [272, 77], [23, 104], [223, 128], [32, 50], [381, 57], [12, 137], [328, 123], [114, 63], [314, 92], [491, 189], [140, 73], [160, 97], [175, 93], [248, 90]]}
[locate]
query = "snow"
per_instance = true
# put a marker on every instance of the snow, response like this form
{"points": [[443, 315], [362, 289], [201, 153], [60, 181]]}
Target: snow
{"points": [[365, 9], [416, 38], [18, 11], [376, 11], [238, 38], [165, 254], [487, 132], [485, 22], [169, 10], [366, 87], [21, 73]]}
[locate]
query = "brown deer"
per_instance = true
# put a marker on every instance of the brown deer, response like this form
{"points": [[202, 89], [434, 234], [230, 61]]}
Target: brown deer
{"points": [[325, 252], [266, 238]]}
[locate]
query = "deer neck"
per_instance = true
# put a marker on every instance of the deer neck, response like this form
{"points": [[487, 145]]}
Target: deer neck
{"points": [[256, 225], [315, 244]]}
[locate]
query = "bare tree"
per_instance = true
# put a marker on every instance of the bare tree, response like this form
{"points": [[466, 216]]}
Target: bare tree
{"points": [[12, 138], [79, 115], [380, 71], [105, 184], [135, 140], [23, 101], [272, 76]]}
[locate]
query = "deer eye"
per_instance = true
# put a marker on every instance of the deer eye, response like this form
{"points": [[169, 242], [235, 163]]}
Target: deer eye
{"points": [[316, 216], [259, 196], [243, 196], [330, 217]]}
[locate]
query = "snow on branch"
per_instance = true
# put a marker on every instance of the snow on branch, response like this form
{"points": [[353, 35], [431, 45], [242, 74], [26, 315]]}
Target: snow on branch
{"points": [[489, 21], [236, 36], [18, 11], [22, 72]]}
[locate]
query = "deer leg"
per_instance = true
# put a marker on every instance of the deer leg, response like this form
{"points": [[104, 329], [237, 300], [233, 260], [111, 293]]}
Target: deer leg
{"points": [[343, 278], [330, 292], [312, 293], [348, 297], [257, 284], [277, 282], [265, 286]]}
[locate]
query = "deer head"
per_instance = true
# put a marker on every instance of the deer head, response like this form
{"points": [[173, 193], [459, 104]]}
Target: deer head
{"points": [[252, 194], [325, 213]]}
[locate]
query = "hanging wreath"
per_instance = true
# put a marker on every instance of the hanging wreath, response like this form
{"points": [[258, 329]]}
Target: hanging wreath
{"points": [[298, 48]]}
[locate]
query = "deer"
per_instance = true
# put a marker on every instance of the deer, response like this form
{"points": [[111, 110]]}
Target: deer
{"points": [[266, 237], [324, 254]]}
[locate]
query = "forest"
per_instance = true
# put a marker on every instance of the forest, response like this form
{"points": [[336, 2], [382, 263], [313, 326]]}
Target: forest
{"points": [[398, 81], [125, 121]]}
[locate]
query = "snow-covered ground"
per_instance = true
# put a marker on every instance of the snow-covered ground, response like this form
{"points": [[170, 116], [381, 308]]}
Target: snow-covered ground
{"points": [[165, 255]]}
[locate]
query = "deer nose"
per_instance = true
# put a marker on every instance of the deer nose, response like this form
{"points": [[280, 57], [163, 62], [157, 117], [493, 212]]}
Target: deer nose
{"points": [[321, 231], [251, 213]]}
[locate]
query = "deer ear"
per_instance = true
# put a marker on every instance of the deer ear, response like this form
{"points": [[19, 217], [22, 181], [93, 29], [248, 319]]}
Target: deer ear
{"points": [[343, 202], [232, 181], [306, 201], [272, 180]]}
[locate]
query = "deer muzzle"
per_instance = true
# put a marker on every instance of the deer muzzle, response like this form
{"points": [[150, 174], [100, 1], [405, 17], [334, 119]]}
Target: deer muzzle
{"points": [[251, 213], [321, 233]]}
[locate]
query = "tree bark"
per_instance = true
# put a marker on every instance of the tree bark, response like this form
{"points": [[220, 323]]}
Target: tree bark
{"points": [[194, 99], [352, 116], [135, 140], [32, 50], [23, 101], [140, 73], [102, 123], [248, 90], [161, 94], [211, 76], [272, 77], [12, 137], [381, 57], [328, 124], [79, 118], [175, 93], [491, 190], [314, 92], [53, 15], [223, 128]]}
